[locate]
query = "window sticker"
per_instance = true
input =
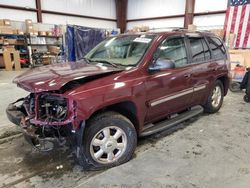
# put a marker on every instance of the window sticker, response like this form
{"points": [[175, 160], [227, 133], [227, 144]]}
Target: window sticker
{"points": [[142, 40]]}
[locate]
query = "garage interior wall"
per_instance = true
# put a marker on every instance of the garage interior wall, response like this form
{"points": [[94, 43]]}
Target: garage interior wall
{"points": [[141, 9], [95, 8], [137, 11], [210, 21]]}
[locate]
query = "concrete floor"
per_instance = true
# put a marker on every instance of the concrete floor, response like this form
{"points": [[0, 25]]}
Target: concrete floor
{"points": [[206, 151]]}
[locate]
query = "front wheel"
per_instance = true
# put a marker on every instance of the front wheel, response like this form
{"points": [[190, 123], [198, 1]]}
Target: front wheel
{"points": [[109, 140], [215, 98]]}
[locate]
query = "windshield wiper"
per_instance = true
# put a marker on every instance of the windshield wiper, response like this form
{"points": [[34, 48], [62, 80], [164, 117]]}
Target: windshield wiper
{"points": [[105, 62]]}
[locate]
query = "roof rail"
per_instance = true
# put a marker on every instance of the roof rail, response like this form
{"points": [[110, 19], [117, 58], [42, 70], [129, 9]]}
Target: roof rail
{"points": [[166, 28], [176, 29]]}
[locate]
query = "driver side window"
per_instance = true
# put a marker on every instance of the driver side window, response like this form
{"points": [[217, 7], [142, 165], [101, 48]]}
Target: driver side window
{"points": [[173, 49]]}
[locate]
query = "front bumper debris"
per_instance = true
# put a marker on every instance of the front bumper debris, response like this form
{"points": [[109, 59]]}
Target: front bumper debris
{"points": [[45, 135], [16, 115]]}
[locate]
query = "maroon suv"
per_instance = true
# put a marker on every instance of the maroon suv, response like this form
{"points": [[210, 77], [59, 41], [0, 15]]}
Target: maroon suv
{"points": [[128, 86]]}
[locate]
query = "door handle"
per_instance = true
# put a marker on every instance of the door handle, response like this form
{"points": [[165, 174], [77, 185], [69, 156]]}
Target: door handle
{"points": [[187, 75]]}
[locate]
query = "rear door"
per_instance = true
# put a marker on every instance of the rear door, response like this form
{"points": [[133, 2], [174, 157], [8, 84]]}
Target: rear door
{"points": [[203, 65], [170, 90]]}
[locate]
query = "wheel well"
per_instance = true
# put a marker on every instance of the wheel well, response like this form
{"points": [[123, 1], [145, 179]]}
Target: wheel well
{"points": [[127, 109], [224, 81]]}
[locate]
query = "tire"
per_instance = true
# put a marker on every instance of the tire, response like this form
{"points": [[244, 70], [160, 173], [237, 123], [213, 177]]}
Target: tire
{"points": [[247, 98], [98, 128], [214, 104]]}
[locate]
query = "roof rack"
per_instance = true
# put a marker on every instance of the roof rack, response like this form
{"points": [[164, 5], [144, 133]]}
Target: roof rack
{"points": [[177, 29], [166, 28]]}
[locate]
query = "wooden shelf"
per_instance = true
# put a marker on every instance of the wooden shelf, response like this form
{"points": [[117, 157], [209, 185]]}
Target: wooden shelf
{"points": [[44, 44], [11, 35], [13, 44], [46, 36], [19, 53]]}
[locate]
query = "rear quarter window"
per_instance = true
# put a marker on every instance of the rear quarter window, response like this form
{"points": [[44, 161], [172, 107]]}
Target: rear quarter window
{"points": [[217, 48]]}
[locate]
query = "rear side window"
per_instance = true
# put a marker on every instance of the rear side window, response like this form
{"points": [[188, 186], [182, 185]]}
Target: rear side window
{"points": [[217, 48], [197, 50], [207, 51]]}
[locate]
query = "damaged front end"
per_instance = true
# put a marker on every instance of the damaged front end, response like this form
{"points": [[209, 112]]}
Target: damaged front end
{"points": [[46, 119]]}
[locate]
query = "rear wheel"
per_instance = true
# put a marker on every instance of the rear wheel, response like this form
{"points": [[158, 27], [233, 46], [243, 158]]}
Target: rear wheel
{"points": [[215, 98], [109, 140]]}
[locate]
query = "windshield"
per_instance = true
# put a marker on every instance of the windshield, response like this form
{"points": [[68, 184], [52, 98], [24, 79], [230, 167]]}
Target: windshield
{"points": [[122, 50]]}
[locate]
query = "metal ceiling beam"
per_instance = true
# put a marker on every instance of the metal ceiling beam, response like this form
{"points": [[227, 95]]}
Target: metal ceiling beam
{"points": [[18, 8], [121, 14], [189, 13], [39, 11]]}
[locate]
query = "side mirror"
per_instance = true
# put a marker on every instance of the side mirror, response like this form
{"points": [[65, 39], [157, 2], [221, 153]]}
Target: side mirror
{"points": [[161, 64]]}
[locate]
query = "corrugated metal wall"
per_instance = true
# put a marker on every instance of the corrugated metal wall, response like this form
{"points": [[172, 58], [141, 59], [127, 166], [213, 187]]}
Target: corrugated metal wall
{"points": [[96, 8]]}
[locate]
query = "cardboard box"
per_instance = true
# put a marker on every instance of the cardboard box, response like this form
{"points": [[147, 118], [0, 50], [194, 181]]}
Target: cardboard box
{"points": [[46, 60], [218, 32], [6, 30], [49, 33], [244, 53], [20, 41], [1, 22], [11, 41], [35, 32], [236, 59], [14, 31], [42, 33], [29, 28], [54, 49], [28, 22], [20, 32], [6, 22], [192, 27]]}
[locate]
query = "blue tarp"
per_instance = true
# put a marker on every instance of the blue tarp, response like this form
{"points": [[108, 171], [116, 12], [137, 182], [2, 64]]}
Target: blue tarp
{"points": [[70, 43], [80, 40]]}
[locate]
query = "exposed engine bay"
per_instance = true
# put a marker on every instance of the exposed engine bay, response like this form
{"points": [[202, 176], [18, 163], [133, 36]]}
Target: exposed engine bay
{"points": [[52, 108], [45, 119]]}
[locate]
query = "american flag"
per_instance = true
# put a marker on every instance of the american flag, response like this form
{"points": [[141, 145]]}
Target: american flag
{"points": [[238, 22]]}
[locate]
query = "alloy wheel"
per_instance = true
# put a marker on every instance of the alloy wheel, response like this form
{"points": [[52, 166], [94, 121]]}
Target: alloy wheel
{"points": [[108, 145], [216, 96]]}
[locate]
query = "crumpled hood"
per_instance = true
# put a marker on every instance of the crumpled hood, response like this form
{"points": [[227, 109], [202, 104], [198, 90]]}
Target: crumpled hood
{"points": [[53, 77]]}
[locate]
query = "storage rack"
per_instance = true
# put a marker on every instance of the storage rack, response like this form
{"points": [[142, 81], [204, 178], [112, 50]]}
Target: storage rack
{"points": [[21, 47], [26, 48], [41, 44]]}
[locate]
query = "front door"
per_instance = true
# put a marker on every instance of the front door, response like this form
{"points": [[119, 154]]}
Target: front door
{"points": [[169, 91]]}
